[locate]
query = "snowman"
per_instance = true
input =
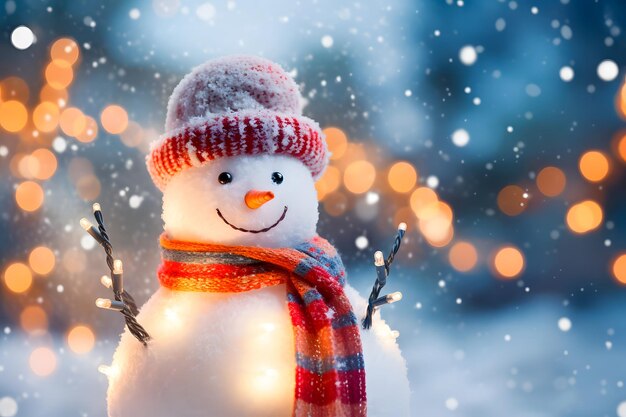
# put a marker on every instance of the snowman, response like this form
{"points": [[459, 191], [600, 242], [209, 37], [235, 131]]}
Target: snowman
{"points": [[253, 317]]}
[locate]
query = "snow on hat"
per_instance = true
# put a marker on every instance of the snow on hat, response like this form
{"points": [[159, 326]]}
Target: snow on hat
{"points": [[237, 105]]}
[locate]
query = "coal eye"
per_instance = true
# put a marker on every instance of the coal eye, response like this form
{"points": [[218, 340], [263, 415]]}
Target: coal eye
{"points": [[225, 178], [277, 177]]}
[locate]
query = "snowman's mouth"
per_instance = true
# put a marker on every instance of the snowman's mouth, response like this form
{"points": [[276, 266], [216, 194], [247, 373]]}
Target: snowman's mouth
{"points": [[241, 229]]}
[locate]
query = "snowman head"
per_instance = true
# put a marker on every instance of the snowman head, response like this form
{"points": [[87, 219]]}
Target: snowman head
{"points": [[260, 200], [238, 161]]}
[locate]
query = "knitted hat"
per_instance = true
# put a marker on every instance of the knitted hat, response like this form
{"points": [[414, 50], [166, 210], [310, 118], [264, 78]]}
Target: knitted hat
{"points": [[237, 105]]}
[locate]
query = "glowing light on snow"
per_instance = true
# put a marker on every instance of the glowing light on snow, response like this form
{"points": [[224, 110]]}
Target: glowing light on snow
{"points": [[134, 14], [42, 361], [361, 242], [566, 73], [460, 137], [607, 70], [8, 407], [22, 37], [468, 55], [564, 324], [327, 41]]}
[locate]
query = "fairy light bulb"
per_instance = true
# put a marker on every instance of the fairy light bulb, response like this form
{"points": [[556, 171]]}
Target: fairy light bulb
{"points": [[118, 266], [85, 224], [106, 281], [394, 296], [379, 258]]}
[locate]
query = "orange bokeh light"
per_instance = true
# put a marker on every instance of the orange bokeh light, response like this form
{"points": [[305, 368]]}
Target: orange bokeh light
{"points": [[42, 361], [90, 131], [14, 88], [594, 166], [73, 122], [114, 119], [328, 183], [619, 268], [436, 224], [359, 176], [58, 97], [423, 200], [29, 196], [46, 163], [46, 116], [511, 200], [34, 320], [584, 217], [508, 262], [621, 148], [41, 260], [59, 74], [81, 339], [463, 256], [65, 49], [13, 116], [551, 181], [402, 177], [17, 277], [337, 142]]}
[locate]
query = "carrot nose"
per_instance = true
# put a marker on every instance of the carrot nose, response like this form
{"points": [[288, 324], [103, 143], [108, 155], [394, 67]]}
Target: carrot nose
{"points": [[255, 199]]}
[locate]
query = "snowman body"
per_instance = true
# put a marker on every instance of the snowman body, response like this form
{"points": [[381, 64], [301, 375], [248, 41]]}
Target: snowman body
{"points": [[237, 168], [232, 355]]}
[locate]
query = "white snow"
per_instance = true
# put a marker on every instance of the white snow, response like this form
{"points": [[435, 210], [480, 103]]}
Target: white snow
{"points": [[460, 137], [565, 324], [22, 37], [608, 70], [468, 55], [566, 73]]}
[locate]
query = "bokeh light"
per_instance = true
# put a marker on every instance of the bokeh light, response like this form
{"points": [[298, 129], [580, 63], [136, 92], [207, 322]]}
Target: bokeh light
{"points": [[88, 187], [42, 260], [14, 88], [90, 132], [337, 142], [584, 217], [114, 119], [402, 177], [618, 268], [42, 361], [46, 116], [359, 176], [423, 201], [329, 182], [52, 95], [594, 166], [621, 148], [29, 196], [65, 49], [508, 262], [17, 277], [59, 74], [463, 256], [13, 116], [551, 181], [46, 163], [81, 339], [512, 200], [73, 122], [34, 320]]}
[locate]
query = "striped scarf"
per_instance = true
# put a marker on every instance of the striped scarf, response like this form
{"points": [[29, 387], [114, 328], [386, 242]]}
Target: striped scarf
{"points": [[330, 376]]}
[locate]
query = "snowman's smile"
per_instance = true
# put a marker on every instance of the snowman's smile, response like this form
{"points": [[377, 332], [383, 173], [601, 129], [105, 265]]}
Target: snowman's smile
{"points": [[241, 229]]}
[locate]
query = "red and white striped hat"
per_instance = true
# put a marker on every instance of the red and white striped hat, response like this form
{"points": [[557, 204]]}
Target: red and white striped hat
{"points": [[237, 105]]}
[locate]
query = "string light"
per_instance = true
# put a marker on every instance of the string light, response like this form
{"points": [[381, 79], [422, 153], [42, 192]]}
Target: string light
{"points": [[382, 266]]}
